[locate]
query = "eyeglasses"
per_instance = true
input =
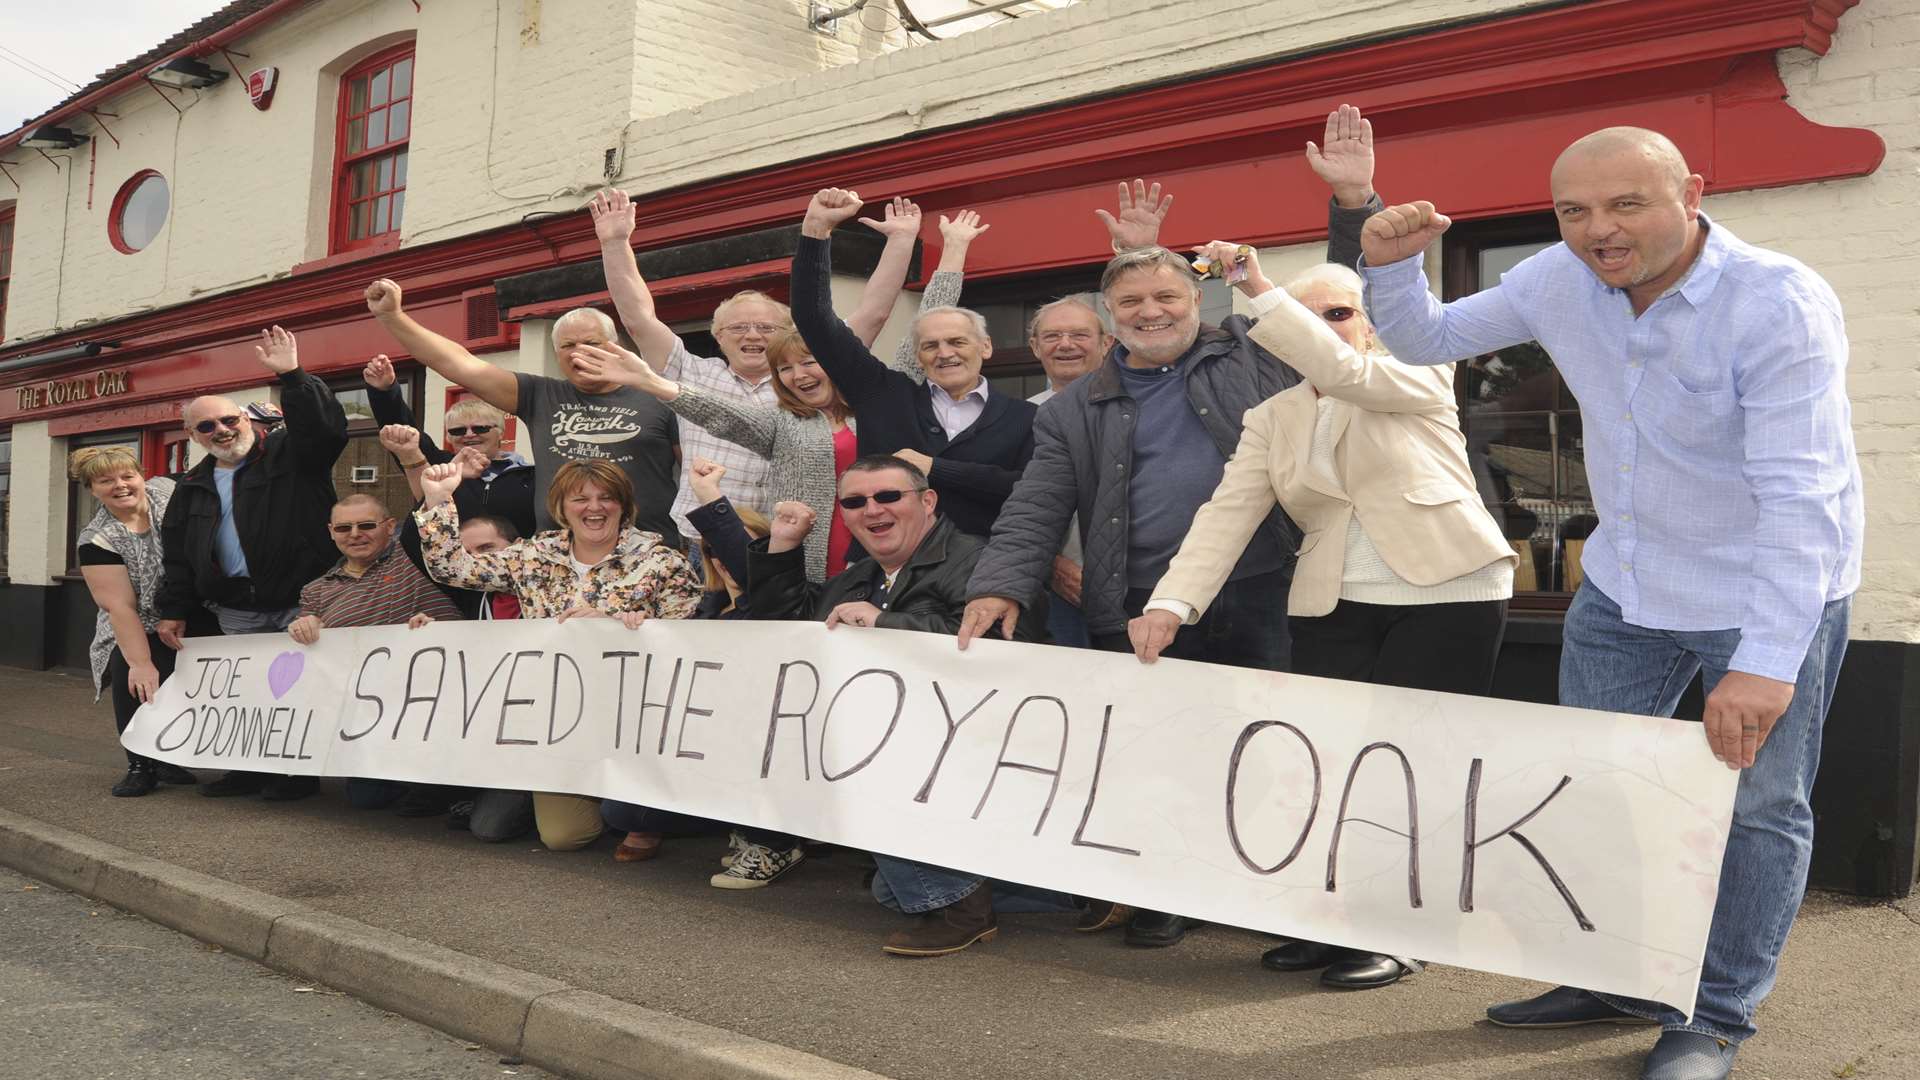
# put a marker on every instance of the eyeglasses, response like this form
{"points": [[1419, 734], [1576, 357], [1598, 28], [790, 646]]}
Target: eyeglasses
{"points": [[1339, 314], [477, 429], [884, 498], [208, 427], [1055, 337], [761, 328], [342, 528]]}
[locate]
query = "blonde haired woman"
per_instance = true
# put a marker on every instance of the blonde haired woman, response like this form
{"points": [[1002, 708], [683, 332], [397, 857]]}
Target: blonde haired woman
{"points": [[1403, 576], [121, 563]]}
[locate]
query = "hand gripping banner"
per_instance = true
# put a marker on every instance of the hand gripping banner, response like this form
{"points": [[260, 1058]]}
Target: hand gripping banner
{"points": [[1563, 845]]}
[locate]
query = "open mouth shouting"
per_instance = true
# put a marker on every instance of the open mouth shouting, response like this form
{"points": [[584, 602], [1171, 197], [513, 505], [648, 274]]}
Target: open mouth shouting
{"points": [[1611, 258]]}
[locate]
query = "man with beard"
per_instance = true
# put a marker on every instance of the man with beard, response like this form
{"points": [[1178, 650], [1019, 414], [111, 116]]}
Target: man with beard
{"points": [[1133, 449], [247, 527]]}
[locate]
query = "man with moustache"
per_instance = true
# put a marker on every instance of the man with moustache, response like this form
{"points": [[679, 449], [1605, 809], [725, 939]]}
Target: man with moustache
{"points": [[247, 527], [573, 418], [913, 578], [1069, 339], [1712, 383], [1132, 450]]}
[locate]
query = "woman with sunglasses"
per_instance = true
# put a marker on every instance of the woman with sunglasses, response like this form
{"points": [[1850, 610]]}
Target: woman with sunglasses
{"points": [[120, 560], [1403, 575]]}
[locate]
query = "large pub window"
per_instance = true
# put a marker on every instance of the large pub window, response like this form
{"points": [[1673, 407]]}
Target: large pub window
{"points": [[1524, 439], [375, 121]]}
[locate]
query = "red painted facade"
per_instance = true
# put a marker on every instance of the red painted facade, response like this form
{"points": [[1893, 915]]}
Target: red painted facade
{"points": [[1469, 117]]}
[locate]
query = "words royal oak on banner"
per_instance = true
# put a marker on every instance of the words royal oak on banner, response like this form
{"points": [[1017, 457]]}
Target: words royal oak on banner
{"points": [[1572, 846]]}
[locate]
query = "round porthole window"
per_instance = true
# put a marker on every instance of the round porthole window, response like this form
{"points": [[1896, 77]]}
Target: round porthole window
{"points": [[139, 211]]}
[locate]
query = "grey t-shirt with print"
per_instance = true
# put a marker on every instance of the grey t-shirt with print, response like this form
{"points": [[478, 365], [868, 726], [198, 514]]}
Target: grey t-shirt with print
{"points": [[627, 427]]}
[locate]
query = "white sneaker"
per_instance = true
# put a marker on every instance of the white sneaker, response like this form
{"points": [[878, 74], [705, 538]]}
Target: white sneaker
{"points": [[735, 842], [756, 866]]}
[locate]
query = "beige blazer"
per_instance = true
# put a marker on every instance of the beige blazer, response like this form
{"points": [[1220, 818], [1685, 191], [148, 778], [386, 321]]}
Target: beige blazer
{"points": [[1397, 443]]}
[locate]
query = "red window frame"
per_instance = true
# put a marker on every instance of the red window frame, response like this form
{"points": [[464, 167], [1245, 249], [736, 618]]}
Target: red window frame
{"points": [[6, 265], [119, 207], [370, 214]]}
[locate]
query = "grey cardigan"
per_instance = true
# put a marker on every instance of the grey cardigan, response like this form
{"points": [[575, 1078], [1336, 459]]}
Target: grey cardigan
{"points": [[800, 450]]}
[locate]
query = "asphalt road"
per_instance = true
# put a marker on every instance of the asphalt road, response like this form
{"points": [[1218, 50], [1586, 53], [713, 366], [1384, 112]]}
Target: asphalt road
{"points": [[799, 963], [89, 993]]}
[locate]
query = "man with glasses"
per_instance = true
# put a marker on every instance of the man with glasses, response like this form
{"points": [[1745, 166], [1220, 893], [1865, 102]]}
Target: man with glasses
{"points": [[1069, 339], [373, 584], [744, 325], [913, 578], [575, 418], [247, 526]]}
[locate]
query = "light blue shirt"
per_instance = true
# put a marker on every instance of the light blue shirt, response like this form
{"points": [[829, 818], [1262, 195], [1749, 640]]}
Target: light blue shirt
{"points": [[1719, 438], [226, 538]]}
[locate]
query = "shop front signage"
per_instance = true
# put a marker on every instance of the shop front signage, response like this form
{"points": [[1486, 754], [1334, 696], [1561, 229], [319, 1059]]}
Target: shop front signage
{"points": [[100, 384]]}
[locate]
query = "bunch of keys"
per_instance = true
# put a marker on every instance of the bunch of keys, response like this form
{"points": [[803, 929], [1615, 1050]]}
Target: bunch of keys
{"points": [[1232, 273]]}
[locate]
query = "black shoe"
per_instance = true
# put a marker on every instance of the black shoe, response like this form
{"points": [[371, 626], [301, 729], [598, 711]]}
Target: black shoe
{"points": [[1299, 955], [1366, 971], [1157, 929], [1562, 1006], [289, 788], [173, 774], [234, 783], [138, 781], [420, 802], [460, 816]]}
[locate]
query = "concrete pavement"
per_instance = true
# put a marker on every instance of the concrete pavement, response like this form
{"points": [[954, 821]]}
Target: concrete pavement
{"points": [[798, 964]]}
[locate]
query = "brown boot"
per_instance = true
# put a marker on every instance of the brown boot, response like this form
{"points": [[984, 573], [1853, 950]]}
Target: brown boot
{"points": [[948, 929]]}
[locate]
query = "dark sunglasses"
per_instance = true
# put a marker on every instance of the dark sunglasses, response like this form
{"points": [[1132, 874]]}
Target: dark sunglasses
{"points": [[208, 427], [1339, 314], [884, 498], [477, 429], [342, 528]]}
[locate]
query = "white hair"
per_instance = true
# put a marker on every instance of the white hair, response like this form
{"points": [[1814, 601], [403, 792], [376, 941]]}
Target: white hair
{"points": [[475, 411], [600, 319], [1061, 304], [1342, 278], [975, 321]]}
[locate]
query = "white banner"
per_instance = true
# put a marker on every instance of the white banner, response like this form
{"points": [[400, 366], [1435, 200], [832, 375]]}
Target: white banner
{"points": [[1556, 844]]}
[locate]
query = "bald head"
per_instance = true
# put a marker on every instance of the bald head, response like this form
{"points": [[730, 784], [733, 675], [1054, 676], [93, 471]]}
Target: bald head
{"points": [[207, 405], [229, 435], [1617, 146]]}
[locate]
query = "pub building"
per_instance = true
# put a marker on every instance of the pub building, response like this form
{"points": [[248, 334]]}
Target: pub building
{"points": [[265, 164]]}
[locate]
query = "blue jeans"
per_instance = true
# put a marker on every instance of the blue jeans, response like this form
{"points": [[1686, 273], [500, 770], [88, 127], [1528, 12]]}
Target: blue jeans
{"points": [[1607, 663], [1065, 624], [234, 621], [913, 887]]}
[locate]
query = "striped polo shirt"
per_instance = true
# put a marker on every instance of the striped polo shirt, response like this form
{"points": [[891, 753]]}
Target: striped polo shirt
{"points": [[392, 590]]}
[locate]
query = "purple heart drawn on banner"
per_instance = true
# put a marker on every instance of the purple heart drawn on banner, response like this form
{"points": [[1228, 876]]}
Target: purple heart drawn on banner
{"points": [[284, 672]]}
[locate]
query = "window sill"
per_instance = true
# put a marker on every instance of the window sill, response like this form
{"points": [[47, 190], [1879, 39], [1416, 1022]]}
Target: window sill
{"points": [[382, 245]]}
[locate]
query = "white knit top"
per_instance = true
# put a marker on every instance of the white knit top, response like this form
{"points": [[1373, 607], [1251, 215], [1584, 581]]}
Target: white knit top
{"points": [[1366, 578]]}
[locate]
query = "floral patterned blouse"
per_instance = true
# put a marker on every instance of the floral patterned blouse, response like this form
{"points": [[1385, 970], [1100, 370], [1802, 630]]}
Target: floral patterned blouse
{"points": [[642, 574]]}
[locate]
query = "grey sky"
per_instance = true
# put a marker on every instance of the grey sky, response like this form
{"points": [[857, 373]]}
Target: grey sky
{"points": [[77, 40]]}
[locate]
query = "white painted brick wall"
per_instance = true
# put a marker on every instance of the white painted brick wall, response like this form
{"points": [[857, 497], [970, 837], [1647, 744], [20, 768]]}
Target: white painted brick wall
{"points": [[1854, 233]]}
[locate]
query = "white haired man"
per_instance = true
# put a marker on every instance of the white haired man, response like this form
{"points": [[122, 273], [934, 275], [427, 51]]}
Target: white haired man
{"points": [[574, 418], [1069, 338]]}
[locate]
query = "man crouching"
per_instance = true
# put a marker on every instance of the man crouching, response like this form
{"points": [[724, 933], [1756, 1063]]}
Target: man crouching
{"points": [[913, 578]]}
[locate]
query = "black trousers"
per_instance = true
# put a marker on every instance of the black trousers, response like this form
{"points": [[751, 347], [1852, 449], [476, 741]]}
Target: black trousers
{"points": [[1246, 626], [124, 703], [1446, 647]]}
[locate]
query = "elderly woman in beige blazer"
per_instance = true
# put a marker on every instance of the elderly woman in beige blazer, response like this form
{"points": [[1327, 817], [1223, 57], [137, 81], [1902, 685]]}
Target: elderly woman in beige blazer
{"points": [[1403, 576]]}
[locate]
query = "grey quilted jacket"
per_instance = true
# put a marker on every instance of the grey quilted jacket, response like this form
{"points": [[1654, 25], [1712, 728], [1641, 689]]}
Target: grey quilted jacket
{"points": [[1083, 454]]}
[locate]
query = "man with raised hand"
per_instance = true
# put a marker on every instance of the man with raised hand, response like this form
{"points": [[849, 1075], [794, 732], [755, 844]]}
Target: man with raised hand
{"points": [[574, 418], [1712, 383], [745, 324], [247, 527]]}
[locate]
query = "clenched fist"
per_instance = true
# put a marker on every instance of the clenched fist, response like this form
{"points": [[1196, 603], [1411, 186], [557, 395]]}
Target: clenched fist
{"points": [[792, 521], [383, 297], [1401, 232]]}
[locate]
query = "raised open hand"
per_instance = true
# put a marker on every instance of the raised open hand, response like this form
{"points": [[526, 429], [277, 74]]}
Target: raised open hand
{"points": [[1141, 211], [962, 228], [613, 215], [277, 352], [1345, 159], [902, 219]]}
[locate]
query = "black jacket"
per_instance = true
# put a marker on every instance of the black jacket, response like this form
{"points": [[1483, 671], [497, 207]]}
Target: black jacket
{"points": [[282, 500], [975, 471], [929, 594], [1083, 454]]}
